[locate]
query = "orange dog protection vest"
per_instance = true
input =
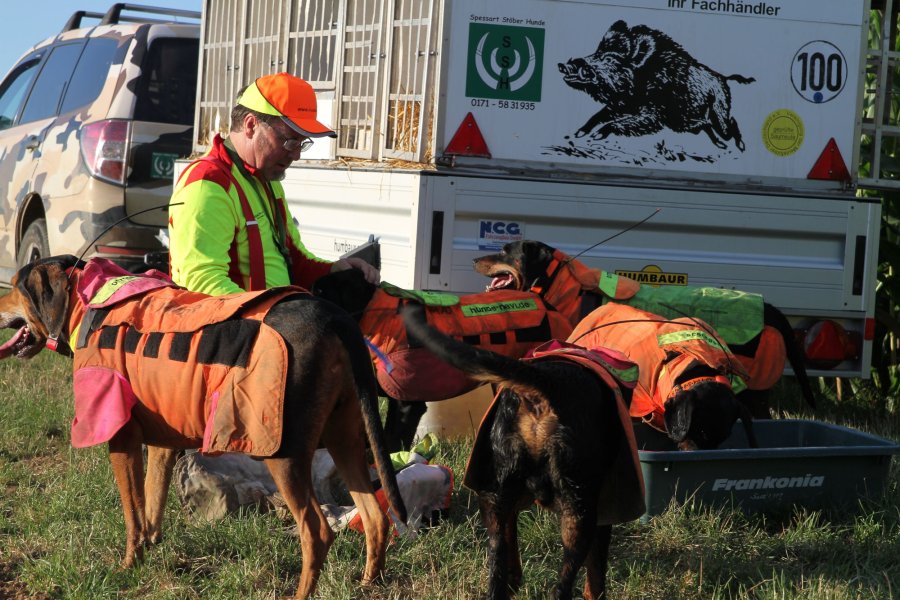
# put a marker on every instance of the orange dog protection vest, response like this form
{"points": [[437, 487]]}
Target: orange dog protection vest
{"points": [[663, 349], [201, 371], [507, 322]]}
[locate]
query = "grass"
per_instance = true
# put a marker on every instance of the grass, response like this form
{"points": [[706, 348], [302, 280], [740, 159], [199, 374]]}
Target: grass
{"points": [[62, 532]]}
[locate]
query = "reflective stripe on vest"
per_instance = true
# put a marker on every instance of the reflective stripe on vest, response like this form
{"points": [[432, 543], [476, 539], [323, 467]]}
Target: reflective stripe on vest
{"points": [[254, 241]]}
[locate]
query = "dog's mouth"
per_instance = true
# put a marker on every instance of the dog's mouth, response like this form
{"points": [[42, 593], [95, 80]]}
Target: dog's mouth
{"points": [[22, 344], [501, 282], [501, 277]]}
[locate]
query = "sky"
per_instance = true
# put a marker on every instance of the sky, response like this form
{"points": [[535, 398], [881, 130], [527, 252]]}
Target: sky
{"points": [[26, 22]]}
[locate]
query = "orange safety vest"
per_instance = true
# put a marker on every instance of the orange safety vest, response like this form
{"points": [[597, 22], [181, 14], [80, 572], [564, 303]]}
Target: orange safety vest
{"points": [[504, 321], [566, 279], [197, 370], [663, 350]]}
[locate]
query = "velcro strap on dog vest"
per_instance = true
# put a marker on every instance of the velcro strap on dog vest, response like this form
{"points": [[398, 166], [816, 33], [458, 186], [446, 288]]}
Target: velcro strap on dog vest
{"points": [[91, 322]]}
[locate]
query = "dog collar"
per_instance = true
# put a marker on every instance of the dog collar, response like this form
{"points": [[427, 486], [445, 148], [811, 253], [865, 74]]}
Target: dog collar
{"points": [[687, 385], [543, 283], [52, 343]]}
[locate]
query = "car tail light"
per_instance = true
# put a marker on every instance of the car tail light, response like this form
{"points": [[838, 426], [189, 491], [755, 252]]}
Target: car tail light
{"points": [[104, 146], [827, 344]]}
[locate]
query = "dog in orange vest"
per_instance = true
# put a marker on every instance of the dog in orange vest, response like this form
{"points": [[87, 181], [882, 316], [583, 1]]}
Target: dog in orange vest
{"points": [[686, 373], [271, 374]]}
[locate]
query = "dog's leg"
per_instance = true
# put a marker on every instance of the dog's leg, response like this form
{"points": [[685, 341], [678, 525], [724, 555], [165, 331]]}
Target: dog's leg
{"points": [[513, 558], [294, 481], [160, 462], [598, 557], [577, 524], [128, 469], [401, 423], [345, 440], [500, 513]]}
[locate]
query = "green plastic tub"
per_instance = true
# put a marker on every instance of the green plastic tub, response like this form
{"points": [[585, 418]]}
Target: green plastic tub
{"points": [[798, 463]]}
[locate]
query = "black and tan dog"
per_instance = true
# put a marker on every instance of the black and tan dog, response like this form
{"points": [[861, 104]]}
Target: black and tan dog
{"points": [[558, 434], [686, 373], [758, 334], [510, 323], [272, 374]]}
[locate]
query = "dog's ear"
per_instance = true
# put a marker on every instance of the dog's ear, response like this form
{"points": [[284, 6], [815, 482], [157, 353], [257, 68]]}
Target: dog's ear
{"points": [[45, 285], [678, 413]]}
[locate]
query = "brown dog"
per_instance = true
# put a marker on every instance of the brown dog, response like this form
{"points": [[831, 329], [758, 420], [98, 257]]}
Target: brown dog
{"points": [[558, 434], [272, 374], [510, 323], [685, 373], [758, 334]]}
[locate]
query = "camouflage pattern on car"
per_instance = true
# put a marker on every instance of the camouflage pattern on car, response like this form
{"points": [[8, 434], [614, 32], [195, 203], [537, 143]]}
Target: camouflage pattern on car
{"points": [[59, 191]]}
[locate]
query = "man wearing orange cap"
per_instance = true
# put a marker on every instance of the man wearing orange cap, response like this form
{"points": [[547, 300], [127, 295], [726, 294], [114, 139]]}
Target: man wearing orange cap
{"points": [[230, 229]]}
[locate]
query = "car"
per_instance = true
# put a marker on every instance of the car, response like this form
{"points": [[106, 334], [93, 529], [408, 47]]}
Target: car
{"points": [[91, 123]]}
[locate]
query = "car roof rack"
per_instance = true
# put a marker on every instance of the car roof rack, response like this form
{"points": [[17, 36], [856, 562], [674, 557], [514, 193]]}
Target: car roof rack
{"points": [[114, 15]]}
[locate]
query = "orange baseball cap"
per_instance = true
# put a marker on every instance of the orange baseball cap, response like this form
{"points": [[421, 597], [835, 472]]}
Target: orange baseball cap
{"points": [[288, 97]]}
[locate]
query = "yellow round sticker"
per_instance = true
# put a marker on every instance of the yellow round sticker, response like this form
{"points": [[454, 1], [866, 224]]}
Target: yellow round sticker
{"points": [[782, 133]]}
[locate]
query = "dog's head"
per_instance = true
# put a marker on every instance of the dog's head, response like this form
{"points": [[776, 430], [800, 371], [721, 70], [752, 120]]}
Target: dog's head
{"points": [[348, 289], [36, 306], [517, 266], [700, 414]]}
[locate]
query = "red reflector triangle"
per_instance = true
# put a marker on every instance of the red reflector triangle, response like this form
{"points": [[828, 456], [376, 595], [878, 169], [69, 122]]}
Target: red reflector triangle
{"points": [[468, 141], [830, 164]]}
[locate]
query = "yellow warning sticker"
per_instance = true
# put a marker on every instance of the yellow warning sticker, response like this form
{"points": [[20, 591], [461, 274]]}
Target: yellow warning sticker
{"points": [[782, 132]]}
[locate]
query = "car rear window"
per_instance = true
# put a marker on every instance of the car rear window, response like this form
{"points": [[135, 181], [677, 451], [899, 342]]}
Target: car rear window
{"points": [[92, 70], [168, 88]]}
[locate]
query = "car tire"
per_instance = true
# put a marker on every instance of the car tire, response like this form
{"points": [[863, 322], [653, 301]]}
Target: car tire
{"points": [[34, 244]]}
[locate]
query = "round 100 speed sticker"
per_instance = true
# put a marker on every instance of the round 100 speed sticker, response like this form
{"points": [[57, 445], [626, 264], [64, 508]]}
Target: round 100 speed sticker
{"points": [[819, 71]]}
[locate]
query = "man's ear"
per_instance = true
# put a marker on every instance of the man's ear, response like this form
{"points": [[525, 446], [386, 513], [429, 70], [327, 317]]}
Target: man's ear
{"points": [[45, 285], [678, 412], [250, 123]]}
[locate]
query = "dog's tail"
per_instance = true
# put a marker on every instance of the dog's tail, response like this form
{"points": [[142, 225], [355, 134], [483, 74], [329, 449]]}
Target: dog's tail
{"points": [[367, 390], [775, 318], [481, 365]]}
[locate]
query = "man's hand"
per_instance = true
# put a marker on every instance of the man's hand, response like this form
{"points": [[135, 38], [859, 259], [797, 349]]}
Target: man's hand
{"points": [[371, 274]]}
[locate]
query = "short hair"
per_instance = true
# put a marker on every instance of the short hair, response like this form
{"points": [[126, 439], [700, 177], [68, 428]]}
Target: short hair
{"points": [[239, 111]]}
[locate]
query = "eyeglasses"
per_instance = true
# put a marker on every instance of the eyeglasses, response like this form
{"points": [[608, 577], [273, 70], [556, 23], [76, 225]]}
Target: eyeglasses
{"points": [[293, 144]]}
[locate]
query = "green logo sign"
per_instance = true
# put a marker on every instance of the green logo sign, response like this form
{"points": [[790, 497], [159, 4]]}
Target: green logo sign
{"points": [[162, 165], [505, 62]]}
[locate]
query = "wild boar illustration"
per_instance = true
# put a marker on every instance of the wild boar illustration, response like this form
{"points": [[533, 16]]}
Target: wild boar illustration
{"points": [[647, 81]]}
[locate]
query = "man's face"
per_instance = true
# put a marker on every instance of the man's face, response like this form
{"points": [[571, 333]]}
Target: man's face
{"points": [[272, 159]]}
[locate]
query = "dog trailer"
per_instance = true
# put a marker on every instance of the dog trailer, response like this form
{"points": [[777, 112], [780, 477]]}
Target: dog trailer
{"points": [[734, 125]]}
